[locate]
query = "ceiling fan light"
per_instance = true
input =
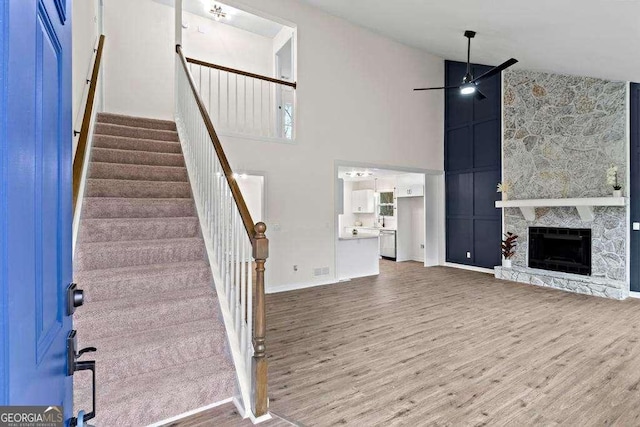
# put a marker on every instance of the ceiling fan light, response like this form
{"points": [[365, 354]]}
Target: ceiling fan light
{"points": [[468, 89]]}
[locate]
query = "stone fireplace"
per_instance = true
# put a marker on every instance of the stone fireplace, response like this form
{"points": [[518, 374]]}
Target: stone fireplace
{"points": [[561, 134]]}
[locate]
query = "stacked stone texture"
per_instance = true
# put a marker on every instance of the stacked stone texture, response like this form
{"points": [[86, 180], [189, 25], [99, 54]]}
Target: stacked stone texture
{"points": [[561, 134]]}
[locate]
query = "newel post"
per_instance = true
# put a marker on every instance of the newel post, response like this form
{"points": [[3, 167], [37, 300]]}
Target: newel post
{"points": [[259, 371]]}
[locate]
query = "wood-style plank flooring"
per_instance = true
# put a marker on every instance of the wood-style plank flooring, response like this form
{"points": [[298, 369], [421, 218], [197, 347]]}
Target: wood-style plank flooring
{"points": [[439, 346]]}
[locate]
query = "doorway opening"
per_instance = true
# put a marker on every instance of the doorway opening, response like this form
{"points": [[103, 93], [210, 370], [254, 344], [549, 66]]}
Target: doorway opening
{"points": [[385, 215], [284, 62]]}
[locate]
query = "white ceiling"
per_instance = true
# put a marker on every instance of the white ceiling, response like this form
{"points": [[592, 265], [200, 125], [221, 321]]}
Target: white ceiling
{"points": [[596, 38], [235, 17]]}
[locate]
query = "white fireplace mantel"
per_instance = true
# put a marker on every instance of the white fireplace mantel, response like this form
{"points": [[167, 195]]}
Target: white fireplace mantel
{"points": [[584, 206]]}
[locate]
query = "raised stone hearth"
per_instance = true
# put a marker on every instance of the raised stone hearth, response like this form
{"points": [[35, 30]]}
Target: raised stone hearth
{"points": [[597, 286], [561, 134]]}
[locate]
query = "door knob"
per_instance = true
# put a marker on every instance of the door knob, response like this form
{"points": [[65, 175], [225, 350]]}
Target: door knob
{"points": [[75, 298]]}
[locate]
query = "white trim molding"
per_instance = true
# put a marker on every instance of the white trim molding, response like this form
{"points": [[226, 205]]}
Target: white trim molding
{"points": [[469, 267], [584, 206]]}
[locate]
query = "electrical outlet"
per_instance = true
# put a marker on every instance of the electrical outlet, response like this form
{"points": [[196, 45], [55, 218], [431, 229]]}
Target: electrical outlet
{"points": [[295, 267], [469, 255], [325, 271], [317, 272]]}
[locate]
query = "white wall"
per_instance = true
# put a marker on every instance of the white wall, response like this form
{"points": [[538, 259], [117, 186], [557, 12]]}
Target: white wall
{"points": [[226, 45], [138, 58], [279, 41], [354, 103], [252, 187], [140, 54], [84, 39]]}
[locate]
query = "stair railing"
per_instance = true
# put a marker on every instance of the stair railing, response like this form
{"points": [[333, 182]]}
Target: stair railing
{"points": [[85, 128], [237, 247], [244, 103], [83, 146]]}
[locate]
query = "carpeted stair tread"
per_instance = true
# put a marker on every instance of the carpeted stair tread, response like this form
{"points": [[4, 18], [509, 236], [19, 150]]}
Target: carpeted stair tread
{"points": [[136, 354], [162, 394], [119, 229], [101, 187], [143, 122], [131, 157], [99, 255], [138, 271], [147, 299], [138, 172], [118, 207], [136, 132], [150, 305], [102, 323], [121, 345], [129, 282], [136, 144]]}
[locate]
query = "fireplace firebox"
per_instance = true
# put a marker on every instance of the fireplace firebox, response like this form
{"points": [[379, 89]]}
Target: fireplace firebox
{"points": [[560, 249]]}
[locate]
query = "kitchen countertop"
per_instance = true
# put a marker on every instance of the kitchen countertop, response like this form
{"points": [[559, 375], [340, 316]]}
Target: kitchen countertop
{"points": [[358, 236], [372, 228]]}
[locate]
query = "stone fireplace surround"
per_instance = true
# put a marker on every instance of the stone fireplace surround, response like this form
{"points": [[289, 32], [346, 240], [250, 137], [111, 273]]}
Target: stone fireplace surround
{"points": [[561, 133]]}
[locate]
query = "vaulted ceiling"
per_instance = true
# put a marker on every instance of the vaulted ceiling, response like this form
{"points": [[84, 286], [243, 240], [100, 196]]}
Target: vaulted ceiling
{"points": [[596, 38]]}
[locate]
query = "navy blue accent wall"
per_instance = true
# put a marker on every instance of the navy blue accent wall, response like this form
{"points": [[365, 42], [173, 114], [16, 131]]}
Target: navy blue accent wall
{"points": [[472, 169], [634, 190]]}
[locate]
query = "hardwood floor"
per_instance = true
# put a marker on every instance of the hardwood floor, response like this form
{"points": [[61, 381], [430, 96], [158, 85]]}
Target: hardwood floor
{"points": [[440, 346], [226, 416]]}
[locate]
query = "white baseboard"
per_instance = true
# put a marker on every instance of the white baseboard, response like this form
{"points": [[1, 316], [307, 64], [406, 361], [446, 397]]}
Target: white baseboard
{"points": [[247, 414], [296, 286], [469, 267], [634, 294], [190, 413]]}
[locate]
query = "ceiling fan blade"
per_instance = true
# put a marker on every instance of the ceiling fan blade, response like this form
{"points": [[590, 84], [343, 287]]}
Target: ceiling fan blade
{"points": [[479, 95], [495, 70], [438, 88]]}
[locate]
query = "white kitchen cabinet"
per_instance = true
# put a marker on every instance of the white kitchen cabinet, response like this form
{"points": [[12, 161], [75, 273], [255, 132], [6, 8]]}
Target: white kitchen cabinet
{"points": [[413, 190], [362, 201]]}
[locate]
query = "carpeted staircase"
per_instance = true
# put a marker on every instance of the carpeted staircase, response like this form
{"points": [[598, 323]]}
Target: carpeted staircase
{"points": [[151, 309]]}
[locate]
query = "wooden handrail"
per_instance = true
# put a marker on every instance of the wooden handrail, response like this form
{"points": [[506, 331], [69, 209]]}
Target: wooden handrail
{"points": [[260, 253], [78, 160], [222, 157], [242, 73]]}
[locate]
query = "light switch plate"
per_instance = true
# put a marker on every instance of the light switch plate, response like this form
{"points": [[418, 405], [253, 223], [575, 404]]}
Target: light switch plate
{"points": [[636, 225], [468, 254]]}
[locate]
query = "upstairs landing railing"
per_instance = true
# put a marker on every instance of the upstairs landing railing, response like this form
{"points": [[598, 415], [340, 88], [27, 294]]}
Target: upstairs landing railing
{"points": [[244, 103], [237, 247]]}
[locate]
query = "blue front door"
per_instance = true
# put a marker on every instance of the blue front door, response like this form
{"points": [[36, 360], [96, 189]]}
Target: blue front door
{"points": [[35, 201]]}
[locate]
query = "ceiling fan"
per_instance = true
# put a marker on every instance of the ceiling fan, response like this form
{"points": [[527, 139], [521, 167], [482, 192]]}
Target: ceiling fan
{"points": [[469, 84]]}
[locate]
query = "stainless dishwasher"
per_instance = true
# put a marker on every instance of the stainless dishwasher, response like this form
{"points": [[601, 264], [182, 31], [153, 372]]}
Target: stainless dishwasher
{"points": [[388, 244]]}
